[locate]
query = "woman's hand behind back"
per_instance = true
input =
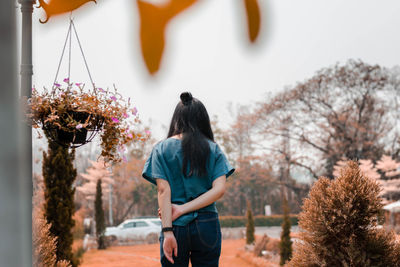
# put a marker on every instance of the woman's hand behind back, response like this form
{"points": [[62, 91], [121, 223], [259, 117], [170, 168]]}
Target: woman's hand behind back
{"points": [[177, 212]]}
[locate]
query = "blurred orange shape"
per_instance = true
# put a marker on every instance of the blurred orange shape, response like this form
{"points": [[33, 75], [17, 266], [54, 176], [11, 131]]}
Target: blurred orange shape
{"points": [[56, 7], [153, 22], [253, 18]]}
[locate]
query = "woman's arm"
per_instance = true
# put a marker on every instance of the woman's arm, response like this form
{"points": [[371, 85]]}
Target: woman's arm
{"points": [[164, 202], [209, 197]]}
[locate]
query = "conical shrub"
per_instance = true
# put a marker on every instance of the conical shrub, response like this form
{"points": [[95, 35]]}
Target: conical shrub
{"points": [[339, 220], [285, 245], [249, 225], [59, 175], [99, 217]]}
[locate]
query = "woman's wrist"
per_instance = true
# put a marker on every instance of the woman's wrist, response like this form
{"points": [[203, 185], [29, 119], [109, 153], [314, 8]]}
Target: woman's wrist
{"points": [[169, 233], [183, 209], [167, 229]]}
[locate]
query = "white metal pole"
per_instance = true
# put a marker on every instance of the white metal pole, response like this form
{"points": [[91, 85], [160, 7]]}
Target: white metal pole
{"points": [[25, 130], [15, 181]]}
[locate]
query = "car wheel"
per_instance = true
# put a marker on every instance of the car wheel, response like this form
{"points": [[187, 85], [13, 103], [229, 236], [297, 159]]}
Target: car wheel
{"points": [[151, 238]]}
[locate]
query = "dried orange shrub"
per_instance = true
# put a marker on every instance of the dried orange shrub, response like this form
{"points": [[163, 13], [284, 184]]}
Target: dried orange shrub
{"points": [[273, 245], [43, 243], [338, 222], [78, 229], [260, 245]]}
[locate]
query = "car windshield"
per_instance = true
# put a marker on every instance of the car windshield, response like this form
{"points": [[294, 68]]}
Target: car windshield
{"points": [[156, 222], [141, 224], [129, 225]]}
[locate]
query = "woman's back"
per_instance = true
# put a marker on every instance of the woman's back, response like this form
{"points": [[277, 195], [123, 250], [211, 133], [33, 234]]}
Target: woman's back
{"points": [[165, 162]]}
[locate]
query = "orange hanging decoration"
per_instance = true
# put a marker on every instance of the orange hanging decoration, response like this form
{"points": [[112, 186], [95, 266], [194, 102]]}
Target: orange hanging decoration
{"points": [[153, 21], [56, 7], [253, 18]]}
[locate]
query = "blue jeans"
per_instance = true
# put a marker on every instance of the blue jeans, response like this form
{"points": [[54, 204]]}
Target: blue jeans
{"points": [[199, 241]]}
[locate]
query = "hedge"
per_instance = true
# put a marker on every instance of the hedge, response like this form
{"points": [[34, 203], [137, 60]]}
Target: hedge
{"points": [[259, 220]]}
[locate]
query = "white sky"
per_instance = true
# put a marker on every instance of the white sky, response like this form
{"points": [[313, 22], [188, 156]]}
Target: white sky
{"points": [[207, 51]]}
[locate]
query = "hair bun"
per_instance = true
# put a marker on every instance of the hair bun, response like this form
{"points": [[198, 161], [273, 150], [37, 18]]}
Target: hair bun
{"points": [[186, 98]]}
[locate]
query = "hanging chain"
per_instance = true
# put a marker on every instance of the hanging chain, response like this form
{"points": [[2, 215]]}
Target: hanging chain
{"points": [[70, 51], [83, 55], [62, 54], [69, 38]]}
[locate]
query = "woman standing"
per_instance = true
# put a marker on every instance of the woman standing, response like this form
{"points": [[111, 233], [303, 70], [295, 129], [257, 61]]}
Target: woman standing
{"points": [[190, 171]]}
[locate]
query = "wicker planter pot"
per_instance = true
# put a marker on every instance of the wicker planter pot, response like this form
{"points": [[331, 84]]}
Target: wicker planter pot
{"points": [[75, 137]]}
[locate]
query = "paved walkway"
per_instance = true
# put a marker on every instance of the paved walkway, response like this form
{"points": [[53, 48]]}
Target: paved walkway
{"points": [[148, 256]]}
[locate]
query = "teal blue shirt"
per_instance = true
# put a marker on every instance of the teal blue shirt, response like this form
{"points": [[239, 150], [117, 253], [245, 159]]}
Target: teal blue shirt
{"points": [[165, 162]]}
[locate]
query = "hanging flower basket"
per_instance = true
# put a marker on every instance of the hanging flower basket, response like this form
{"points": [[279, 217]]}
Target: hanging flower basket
{"points": [[72, 117], [78, 136]]}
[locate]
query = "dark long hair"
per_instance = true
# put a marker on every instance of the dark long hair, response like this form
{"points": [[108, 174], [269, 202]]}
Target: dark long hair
{"points": [[192, 121]]}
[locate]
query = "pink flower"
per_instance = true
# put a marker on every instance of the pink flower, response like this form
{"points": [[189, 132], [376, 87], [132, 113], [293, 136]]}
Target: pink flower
{"points": [[130, 135], [113, 98], [101, 90], [66, 80], [125, 115], [148, 132], [134, 111], [57, 84], [115, 120], [78, 84], [79, 126], [33, 89]]}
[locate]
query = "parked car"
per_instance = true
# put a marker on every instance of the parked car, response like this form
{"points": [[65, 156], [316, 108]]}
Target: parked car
{"points": [[140, 229]]}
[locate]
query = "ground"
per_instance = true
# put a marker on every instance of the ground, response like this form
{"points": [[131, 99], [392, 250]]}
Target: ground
{"points": [[148, 256]]}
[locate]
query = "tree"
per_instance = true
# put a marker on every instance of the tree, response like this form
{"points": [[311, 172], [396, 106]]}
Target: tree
{"points": [[386, 172], [256, 179], [339, 220], [98, 170], [59, 176], [132, 195], [44, 244], [366, 166], [249, 226], [390, 180], [285, 245], [389, 167], [342, 111], [99, 217], [236, 141]]}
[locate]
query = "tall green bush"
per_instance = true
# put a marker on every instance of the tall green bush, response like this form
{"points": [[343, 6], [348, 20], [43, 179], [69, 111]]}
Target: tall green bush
{"points": [[59, 175], [99, 217], [249, 225], [285, 245], [339, 222]]}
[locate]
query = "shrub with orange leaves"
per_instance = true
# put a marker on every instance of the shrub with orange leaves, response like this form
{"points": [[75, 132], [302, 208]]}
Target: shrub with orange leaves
{"points": [[70, 109], [339, 220]]}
